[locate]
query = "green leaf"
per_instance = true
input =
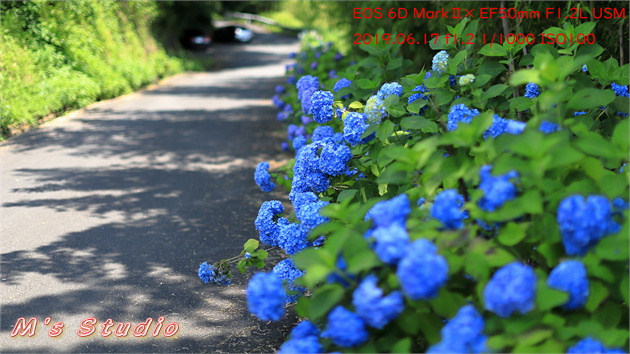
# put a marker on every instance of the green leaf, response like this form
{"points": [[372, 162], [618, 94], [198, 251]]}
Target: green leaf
{"points": [[523, 77], [241, 266], [347, 194], [614, 247], [513, 233], [415, 106], [494, 91], [430, 326], [588, 98], [491, 68], [594, 144], [548, 298], [356, 105], [493, 50], [533, 337], [598, 293], [402, 346], [520, 103], [366, 84], [416, 122], [620, 135], [372, 50], [251, 245], [324, 299], [385, 130]]}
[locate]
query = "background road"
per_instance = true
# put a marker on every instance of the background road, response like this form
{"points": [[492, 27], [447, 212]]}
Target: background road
{"points": [[109, 211]]}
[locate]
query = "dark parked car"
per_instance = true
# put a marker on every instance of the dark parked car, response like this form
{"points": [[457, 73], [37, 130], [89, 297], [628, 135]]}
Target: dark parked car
{"points": [[197, 40], [237, 34]]}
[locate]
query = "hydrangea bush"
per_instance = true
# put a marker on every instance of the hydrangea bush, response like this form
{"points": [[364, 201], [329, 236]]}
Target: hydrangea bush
{"points": [[461, 208]]}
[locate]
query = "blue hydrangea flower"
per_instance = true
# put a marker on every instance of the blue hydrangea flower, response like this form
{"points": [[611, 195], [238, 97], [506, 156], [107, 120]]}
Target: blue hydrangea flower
{"points": [[210, 274], [511, 289], [466, 79], [440, 62], [280, 89], [584, 68], [321, 106], [291, 237], [286, 270], [590, 346], [515, 127], [334, 159], [308, 344], [309, 215], [291, 80], [391, 242], [374, 110], [304, 339], [314, 65], [498, 127], [570, 276], [307, 176], [422, 271], [460, 113], [583, 222], [263, 178], [447, 208], [464, 332], [338, 56], [300, 199], [421, 95], [452, 80], [321, 132], [306, 86], [390, 88], [376, 309], [421, 201], [579, 114], [343, 82], [496, 190], [318, 55], [266, 296], [298, 142], [332, 74], [532, 90], [277, 101], [268, 230], [353, 128], [548, 127], [389, 212], [294, 131], [620, 90], [345, 328], [292, 55]]}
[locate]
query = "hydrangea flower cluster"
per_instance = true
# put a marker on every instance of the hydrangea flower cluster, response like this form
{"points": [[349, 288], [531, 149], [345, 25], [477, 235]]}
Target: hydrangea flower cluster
{"points": [[583, 222], [440, 61], [375, 110], [466, 79], [590, 346], [389, 229], [447, 208], [376, 309], [511, 289], [322, 132], [391, 88], [421, 95], [620, 91], [499, 126], [460, 113], [263, 178], [422, 271], [548, 127], [304, 339], [497, 190], [570, 276], [306, 87], [343, 82], [532, 90], [345, 328], [354, 126], [286, 270], [266, 296], [210, 274], [321, 106], [463, 333], [268, 230]]}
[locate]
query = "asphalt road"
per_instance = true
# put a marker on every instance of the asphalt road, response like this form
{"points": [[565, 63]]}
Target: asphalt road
{"points": [[108, 212]]}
